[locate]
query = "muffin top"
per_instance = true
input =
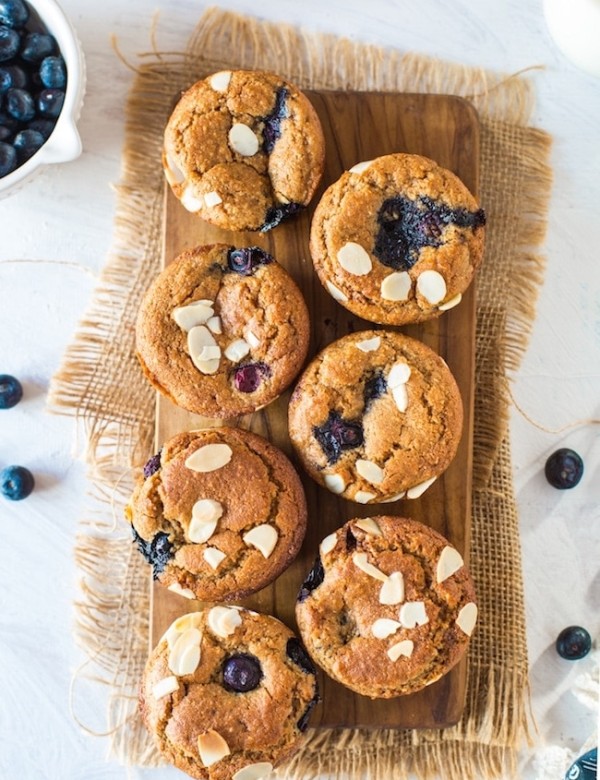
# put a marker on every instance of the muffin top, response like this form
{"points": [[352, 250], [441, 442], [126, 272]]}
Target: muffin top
{"points": [[227, 693], [388, 607], [376, 416], [219, 513], [397, 239], [244, 150], [222, 331]]}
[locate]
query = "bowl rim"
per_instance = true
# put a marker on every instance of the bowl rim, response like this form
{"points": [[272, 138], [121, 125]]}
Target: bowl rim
{"points": [[64, 143]]}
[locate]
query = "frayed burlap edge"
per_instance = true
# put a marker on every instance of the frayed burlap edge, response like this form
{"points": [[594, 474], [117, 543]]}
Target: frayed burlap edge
{"points": [[99, 382]]}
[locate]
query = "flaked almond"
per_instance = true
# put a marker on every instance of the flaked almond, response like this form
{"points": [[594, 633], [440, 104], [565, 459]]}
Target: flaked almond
{"points": [[175, 587], [432, 286], [384, 627], [220, 81], [328, 543], [259, 771], [207, 510], [252, 339], [164, 687], [173, 172], [189, 200], [199, 531], [363, 496], [400, 396], [193, 314], [178, 626], [405, 648], [360, 167], [361, 560], [210, 457], [467, 618], [335, 483], [203, 349], [264, 537], [396, 286], [354, 259], [450, 303], [418, 490], [369, 526], [369, 345], [214, 325], [370, 471], [212, 747], [399, 374], [396, 497], [213, 557], [185, 653], [223, 621], [413, 614], [243, 140], [392, 590], [449, 562], [335, 292], [212, 199], [237, 350]]}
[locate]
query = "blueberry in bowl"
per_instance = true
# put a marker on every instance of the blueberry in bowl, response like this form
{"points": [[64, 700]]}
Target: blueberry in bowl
{"points": [[42, 79]]}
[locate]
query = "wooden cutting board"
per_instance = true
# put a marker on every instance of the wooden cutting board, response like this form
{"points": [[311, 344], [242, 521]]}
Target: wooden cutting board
{"points": [[357, 126]]}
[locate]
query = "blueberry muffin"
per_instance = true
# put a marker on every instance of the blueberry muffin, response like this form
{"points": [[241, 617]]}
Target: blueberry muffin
{"points": [[222, 331], [376, 416], [227, 694], [205, 533], [244, 150], [388, 608], [397, 239]]}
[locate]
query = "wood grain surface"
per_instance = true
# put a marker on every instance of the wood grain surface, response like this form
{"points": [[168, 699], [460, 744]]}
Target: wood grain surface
{"points": [[357, 126]]}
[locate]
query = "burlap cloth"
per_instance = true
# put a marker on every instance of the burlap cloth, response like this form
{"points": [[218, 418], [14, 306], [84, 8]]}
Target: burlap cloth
{"points": [[101, 384]]}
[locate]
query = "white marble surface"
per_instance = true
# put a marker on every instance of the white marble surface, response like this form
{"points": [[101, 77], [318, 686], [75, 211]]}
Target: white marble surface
{"points": [[65, 217]]}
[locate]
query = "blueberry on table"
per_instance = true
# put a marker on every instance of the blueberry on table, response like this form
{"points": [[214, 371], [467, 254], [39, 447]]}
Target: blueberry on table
{"points": [[242, 673], [26, 143], [14, 13], [564, 469], [50, 102], [16, 482], [10, 40], [11, 391], [585, 768], [8, 159], [20, 105], [573, 643], [53, 73]]}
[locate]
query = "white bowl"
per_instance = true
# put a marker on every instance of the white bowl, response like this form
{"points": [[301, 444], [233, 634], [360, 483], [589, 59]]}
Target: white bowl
{"points": [[64, 144]]}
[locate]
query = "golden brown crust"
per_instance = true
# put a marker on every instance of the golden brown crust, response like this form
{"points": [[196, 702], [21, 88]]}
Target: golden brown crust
{"points": [[163, 503], [336, 619], [348, 212], [199, 158], [267, 303], [260, 725], [411, 446]]}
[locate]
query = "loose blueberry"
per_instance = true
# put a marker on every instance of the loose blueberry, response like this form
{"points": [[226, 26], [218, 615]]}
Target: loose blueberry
{"points": [[14, 13], [315, 577], [10, 40], [277, 214], [43, 126], [272, 122], [296, 652], [26, 144], [303, 721], [564, 469], [157, 552], [152, 465], [53, 72], [50, 102], [8, 159], [247, 378], [375, 387], [406, 226], [585, 768], [16, 482], [245, 261], [242, 673], [573, 643], [20, 105], [11, 391], [12, 76], [36, 46], [337, 435]]}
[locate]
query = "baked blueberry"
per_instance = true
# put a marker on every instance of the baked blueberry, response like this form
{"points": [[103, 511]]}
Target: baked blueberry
{"points": [[277, 214], [9, 43], [26, 144], [272, 122], [242, 673], [53, 72], [247, 378], [8, 159], [50, 102], [564, 469], [14, 13], [296, 652], [36, 46], [152, 465], [315, 577], [245, 261], [303, 721], [157, 552], [11, 391], [375, 387], [20, 105], [573, 643], [16, 482], [338, 434]]}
